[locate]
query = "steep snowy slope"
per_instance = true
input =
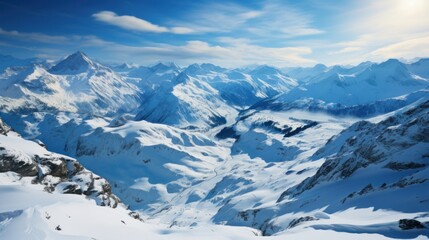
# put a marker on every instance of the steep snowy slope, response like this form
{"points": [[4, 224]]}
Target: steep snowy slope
{"points": [[76, 84], [151, 78], [187, 103], [383, 166], [231, 86], [236, 88]]}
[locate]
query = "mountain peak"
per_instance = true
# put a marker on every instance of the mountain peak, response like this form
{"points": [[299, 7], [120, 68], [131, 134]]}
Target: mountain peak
{"points": [[320, 67], [421, 61], [391, 62], [165, 66], [265, 70], [75, 63]]}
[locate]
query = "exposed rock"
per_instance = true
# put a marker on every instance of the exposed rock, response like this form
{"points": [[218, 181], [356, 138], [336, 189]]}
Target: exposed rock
{"points": [[366, 189], [56, 172], [12, 161], [297, 221], [398, 166], [4, 129], [369, 144], [72, 188], [407, 224], [135, 215]]}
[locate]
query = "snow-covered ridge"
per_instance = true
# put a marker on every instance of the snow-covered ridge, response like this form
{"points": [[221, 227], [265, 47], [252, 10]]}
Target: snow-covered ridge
{"points": [[76, 84], [28, 162], [381, 165]]}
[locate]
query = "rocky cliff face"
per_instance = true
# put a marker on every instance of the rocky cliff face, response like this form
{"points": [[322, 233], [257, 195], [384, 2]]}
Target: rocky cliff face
{"points": [[56, 173], [369, 144]]}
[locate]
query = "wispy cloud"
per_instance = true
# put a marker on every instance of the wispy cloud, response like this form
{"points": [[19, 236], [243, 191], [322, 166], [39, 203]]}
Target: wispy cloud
{"points": [[218, 17], [39, 37], [84, 40], [273, 19], [384, 29], [417, 47], [228, 52], [233, 53], [137, 24], [282, 20]]}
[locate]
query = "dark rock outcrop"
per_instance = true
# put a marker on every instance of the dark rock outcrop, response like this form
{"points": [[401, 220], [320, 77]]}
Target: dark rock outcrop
{"points": [[408, 224]]}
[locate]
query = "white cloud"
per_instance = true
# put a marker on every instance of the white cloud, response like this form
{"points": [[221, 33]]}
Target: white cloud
{"points": [[408, 49], [137, 24], [233, 53], [346, 50], [182, 30]]}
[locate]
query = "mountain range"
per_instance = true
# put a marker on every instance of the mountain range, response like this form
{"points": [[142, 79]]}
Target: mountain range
{"points": [[208, 152]]}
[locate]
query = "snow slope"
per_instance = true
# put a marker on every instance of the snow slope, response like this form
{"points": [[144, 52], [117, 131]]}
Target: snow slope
{"points": [[31, 210]]}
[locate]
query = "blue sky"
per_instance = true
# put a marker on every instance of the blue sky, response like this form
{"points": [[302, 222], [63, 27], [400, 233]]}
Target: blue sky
{"points": [[227, 33]]}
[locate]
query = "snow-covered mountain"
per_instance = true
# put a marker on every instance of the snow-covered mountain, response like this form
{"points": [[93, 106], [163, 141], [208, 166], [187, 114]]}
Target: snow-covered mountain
{"points": [[380, 165], [420, 68], [76, 84], [51, 196], [186, 103], [182, 148], [377, 82], [305, 74], [365, 90]]}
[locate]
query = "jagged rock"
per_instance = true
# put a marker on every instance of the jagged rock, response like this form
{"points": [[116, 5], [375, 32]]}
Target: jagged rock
{"points": [[135, 215], [4, 129], [57, 167], [366, 189], [72, 188], [297, 221], [403, 166], [55, 172], [407, 224], [11, 161], [370, 144]]}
